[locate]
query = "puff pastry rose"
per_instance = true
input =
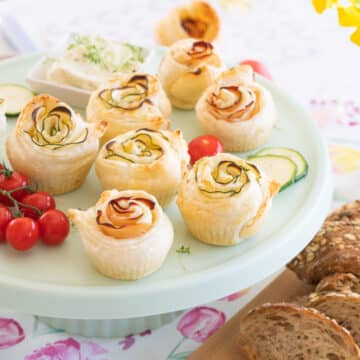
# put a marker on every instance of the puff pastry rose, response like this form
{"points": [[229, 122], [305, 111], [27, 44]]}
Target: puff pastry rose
{"points": [[187, 69], [52, 145], [237, 110], [144, 159], [129, 102], [224, 199], [126, 234], [2, 116], [198, 20]]}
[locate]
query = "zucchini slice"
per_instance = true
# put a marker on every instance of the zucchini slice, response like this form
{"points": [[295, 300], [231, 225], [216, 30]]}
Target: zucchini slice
{"points": [[16, 97], [279, 168], [295, 156]]}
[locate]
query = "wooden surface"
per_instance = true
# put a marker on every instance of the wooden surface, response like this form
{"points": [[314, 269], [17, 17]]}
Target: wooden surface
{"points": [[224, 343]]}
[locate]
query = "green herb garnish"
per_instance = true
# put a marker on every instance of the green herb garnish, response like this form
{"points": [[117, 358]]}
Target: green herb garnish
{"points": [[183, 250]]}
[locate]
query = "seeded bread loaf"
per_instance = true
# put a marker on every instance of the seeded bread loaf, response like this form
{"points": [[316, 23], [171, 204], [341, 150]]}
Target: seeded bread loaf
{"points": [[334, 249], [285, 331], [349, 212], [339, 282], [342, 307]]}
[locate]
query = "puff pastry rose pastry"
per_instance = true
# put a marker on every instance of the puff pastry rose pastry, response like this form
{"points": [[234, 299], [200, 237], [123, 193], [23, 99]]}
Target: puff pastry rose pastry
{"points": [[2, 116], [196, 20], [187, 69], [144, 159], [52, 145], [237, 110], [126, 234], [129, 102], [224, 199]]}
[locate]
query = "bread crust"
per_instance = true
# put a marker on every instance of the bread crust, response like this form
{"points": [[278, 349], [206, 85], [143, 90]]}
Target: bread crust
{"points": [[342, 307], [349, 212], [334, 249], [250, 341], [339, 282]]}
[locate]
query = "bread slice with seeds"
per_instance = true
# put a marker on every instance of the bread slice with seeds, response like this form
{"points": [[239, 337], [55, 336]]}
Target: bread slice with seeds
{"points": [[334, 249], [342, 307], [339, 282], [285, 331], [349, 212]]}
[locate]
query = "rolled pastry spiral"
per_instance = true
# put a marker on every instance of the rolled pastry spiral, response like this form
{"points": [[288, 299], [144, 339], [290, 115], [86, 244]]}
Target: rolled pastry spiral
{"points": [[144, 159], [198, 20], [224, 199], [129, 102], [2, 116], [236, 109], [187, 69], [52, 145], [126, 234]]}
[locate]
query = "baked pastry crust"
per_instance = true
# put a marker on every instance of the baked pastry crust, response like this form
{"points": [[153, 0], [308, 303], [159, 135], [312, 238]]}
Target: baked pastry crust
{"points": [[198, 20], [126, 234], [129, 102], [52, 145], [237, 110], [187, 69], [224, 199], [144, 159]]}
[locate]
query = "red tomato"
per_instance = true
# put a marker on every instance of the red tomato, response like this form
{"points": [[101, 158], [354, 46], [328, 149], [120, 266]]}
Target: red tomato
{"points": [[258, 67], [205, 145], [54, 227], [10, 180], [43, 201], [22, 233], [5, 218]]}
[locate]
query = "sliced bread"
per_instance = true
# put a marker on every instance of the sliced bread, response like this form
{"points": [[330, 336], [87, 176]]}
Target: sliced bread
{"points": [[342, 307], [334, 249], [339, 282], [286, 331]]}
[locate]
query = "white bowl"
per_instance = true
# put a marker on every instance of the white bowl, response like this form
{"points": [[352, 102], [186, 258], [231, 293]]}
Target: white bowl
{"points": [[36, 78]]}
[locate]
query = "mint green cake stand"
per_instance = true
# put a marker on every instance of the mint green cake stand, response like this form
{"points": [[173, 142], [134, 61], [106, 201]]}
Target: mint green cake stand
{"points": [[60, 285]]}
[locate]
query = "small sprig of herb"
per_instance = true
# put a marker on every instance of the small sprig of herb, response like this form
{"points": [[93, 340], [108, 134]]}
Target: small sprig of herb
{"points": [[98, 51], [183, 250]]}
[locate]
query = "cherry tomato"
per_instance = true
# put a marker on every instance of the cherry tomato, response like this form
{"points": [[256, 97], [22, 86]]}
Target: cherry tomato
{"points": [[205, 145], [22, 233], [258, 67], [10, 180], [5, 218], [54, 227], [43, 201]]}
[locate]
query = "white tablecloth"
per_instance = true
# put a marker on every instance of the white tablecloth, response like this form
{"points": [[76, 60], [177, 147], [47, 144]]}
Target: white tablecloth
{"points": [[308, 55]]}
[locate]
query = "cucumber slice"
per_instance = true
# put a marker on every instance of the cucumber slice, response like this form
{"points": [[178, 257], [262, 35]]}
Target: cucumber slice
{"points": [[279, 168], [295, 156], [16, 97]]}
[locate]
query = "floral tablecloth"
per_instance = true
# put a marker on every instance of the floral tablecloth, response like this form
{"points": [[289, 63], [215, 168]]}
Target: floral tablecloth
{"points": [[316, 63]]}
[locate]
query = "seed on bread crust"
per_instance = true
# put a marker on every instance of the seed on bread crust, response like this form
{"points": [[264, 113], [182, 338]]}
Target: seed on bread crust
{"points": [[349, 212], [339, 282], [335, 248]]}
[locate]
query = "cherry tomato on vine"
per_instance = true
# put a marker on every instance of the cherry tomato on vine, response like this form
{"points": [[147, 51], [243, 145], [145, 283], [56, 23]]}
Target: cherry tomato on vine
{"points": [[205, 145], [43, 201], [10, 180], [5, 218], [22, 233], [258, 67], [54, 227]]}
